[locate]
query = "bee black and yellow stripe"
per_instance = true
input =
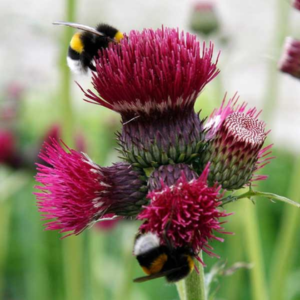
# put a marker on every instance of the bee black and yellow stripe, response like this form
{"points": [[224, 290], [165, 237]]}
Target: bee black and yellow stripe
{"points": [[84, 46]]}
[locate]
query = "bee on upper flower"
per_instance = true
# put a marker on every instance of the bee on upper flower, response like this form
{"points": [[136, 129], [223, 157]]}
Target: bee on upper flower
{"points": [[85, 46]]}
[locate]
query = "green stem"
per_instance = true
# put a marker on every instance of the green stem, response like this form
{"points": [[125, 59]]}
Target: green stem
{"points": [[5, 212], [73, 267], [10, 184], [254, 252], [280, 32], [236, 253], [123, 290], [65, 90], [181, 289], [251, 193], [284, 253], [97, 258], [72, 246], [195, 283]]}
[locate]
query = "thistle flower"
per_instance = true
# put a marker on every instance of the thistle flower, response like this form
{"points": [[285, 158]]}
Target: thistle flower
{"points": [[204, 19], [290, 59], [186, 212], [8, 147], [77, 192], [235, 139], [153, 79], [152, 71], [296, 4]]}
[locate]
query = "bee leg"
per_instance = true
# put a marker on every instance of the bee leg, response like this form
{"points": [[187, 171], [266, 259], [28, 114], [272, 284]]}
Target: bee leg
{"points": [[92, 67]]}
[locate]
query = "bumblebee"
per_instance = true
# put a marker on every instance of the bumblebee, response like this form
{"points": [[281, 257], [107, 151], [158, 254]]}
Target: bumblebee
{"points": [[159, 260], [85, 46]]}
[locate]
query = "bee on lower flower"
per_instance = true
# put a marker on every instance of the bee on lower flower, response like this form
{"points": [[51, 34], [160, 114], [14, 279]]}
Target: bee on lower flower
{"points": [[162, 260]]}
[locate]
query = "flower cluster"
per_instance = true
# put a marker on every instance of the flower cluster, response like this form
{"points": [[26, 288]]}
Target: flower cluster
{"points": [[175, 166]]}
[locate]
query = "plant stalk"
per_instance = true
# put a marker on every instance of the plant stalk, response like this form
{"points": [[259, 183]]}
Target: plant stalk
{"points": [[181, 289], [285, 249], [72, 246], [195, 283], [280, 31], [254, 252], [65, 89]]}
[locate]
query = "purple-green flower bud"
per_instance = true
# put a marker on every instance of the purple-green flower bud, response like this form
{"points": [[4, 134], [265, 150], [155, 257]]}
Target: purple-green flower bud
{"points": [[162, 139], [204, 19], [169, 175], [234, 148], [290, 59]]}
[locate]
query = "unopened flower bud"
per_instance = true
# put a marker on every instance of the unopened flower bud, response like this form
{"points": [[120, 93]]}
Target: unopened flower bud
{"points": [[290, 59], [204, 19], [235, 146]]}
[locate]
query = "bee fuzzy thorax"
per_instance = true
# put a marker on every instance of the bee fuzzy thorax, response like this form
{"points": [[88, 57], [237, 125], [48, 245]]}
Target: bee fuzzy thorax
{"points": [[145, 243], [84, 46]]}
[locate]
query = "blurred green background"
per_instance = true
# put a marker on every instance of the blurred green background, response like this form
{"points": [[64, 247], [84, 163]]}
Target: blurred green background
{"points": [[39, 98]]}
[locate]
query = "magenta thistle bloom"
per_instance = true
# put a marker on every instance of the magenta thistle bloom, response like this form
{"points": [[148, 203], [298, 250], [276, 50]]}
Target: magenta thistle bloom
{"points": [[296, 4], [153, 79], [152, 71], [77, 192], [290, 59], [235, 140], [8, 147], [186, 213]]}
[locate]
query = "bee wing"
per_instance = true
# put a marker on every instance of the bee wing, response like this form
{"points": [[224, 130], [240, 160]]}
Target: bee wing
{"points": [[79, 26], [156, 275]]}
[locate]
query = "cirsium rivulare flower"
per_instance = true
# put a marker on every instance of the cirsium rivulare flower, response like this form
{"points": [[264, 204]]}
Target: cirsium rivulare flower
{"points": [[235, 138], [153, 79], [204, 19], [8, 148], [290, 59], [186, 212], [76, 192], [296, 4], [152, 71]]}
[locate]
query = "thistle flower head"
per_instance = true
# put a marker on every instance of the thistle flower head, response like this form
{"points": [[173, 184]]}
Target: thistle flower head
{"points": [[152, 71], [76, 192], [186, 213], [290, 59], [235, 139], [204, 19], [8, 146], [296, 4]]}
